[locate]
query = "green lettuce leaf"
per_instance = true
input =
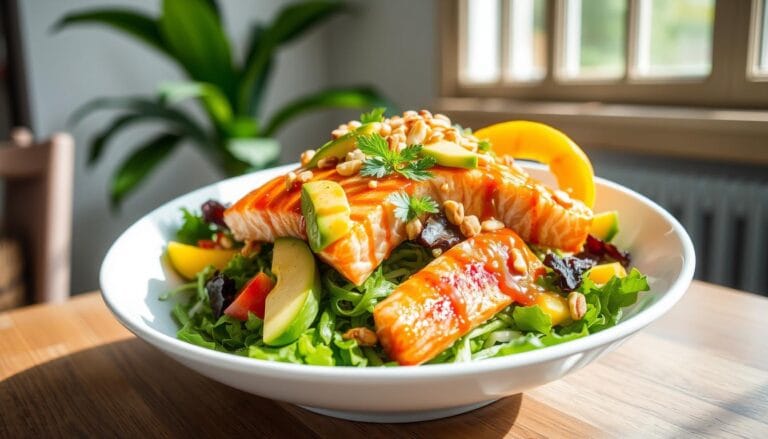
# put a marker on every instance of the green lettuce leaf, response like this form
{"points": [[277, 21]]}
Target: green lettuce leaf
{"points": [[532, 318]]}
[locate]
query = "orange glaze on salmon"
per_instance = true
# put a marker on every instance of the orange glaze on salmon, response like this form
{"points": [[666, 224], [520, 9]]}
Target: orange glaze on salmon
{"points": [[493, 190], [456, 292]]}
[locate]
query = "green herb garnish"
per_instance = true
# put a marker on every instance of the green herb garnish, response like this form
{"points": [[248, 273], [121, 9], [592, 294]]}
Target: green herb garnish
{"points": [[408, 207], [382, 161], [483, 146], [193, 228], [375, 115]]}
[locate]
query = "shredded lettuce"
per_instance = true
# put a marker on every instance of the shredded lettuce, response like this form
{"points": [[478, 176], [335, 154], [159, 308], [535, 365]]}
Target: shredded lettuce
{"points": [[344, 306]]}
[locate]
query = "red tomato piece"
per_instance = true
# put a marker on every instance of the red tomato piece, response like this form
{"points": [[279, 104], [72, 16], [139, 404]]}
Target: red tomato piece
{"points": [[252, 298], [206, 243]]}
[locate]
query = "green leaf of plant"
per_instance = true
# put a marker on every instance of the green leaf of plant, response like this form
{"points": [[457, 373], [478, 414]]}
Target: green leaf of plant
{"points": [[134, 169], [133, 23], [292, 21], [149, 108], [215, 102], [260, 82], [194, 35], [357, 97], [532, 318], [258, 152]]}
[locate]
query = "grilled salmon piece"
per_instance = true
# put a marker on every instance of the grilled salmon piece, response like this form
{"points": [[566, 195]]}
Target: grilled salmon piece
{"points": [[455, 293], [506, 193]]}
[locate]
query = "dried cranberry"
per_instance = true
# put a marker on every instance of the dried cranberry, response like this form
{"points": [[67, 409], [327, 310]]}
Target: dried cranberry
{"points": [[601, 251], [213, 213], [221, 293], [569, 270], [438, 233]]}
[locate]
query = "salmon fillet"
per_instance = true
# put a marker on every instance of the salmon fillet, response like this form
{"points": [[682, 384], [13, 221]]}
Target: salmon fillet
{"points": [[506, 193], [455, 293]]}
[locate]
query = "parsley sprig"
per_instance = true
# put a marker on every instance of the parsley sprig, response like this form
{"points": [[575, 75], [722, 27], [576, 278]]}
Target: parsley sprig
{"points": [[375, 115], [408, 207], [382, 161]]}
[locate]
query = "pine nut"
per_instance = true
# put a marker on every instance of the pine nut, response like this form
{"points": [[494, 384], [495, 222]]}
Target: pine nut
{"points": [[327, 162], [442, 116], [353, 124], [426, 114], [373, 184], [454, 212], [410, 113], [305, 176], [349, 168], [306, 156], [434, 138], [577, 305], [335, 134], [355, 154], [470, 226], [491, 225], [386, 129], [363, 336], [417, 133], [518, 262], [290, 180], [413, 228], [444, 188], [437, 252]]}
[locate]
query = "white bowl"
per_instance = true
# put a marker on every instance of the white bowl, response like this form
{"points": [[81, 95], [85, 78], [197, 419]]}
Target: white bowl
{"points": [[134, 274]]}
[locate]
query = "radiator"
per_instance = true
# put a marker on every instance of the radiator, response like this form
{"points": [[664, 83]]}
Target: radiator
{"points": [[727, 220]]}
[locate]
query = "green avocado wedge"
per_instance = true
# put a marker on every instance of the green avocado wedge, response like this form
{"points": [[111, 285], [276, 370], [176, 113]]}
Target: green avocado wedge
{"points": [[605, 225], [450, 154], [293, 303], [340, 147], [326, 213]]}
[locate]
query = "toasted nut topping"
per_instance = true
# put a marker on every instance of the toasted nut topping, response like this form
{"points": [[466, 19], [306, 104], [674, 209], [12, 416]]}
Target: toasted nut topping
{"points": [[338, 132], [363, 336], [386, 129], [250, 248], [454, 212], [439, 123], [577, 305], [562, 198], [485, 159], [393, 142], [444, 188], [434, 138], [410, 113], [491, 225], [353, 124], [518, 261], [413, 228], [396, 122], [450, 134], [327, 162], [426, 114], [469, 145], [470, 226], [355, 154], [349, 168], [442, 116], [306, 156], [373, 184], [290, 180], [418, 132], [224, 241], [305, 176], [437, 252]]}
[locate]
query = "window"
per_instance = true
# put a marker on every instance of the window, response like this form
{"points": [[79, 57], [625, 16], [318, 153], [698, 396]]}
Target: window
{"points": [[679, 52], [677, 77]]}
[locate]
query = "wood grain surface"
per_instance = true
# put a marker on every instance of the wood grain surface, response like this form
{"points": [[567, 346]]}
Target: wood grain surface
{"points": [[72, 370]]}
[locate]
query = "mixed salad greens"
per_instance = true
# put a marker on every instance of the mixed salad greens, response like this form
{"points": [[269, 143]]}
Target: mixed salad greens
{"points": [[201, 306]]}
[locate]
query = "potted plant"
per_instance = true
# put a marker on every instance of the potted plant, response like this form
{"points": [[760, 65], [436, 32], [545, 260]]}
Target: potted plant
{"points": [[237, 137]]}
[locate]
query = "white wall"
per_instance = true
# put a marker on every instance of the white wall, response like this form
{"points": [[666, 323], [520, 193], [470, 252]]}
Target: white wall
{"points": [[69, 68]]}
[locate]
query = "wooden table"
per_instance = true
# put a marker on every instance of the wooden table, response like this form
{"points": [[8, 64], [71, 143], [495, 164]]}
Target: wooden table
{"points": [[71, 369]]}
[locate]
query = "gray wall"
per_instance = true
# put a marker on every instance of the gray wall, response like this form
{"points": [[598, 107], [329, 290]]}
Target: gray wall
{"points": [[71, 67]]}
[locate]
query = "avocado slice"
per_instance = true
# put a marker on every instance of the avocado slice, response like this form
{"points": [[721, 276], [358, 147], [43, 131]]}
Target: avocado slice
{"points": [[605, 225], [340, 147], [293, 303], [450, 154], [326, 212]]}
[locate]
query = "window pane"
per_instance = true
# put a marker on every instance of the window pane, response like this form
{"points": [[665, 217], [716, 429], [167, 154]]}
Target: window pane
{"points": [[482, 57], [595, 37], [674, 37], [527, 40], [762, 64]]}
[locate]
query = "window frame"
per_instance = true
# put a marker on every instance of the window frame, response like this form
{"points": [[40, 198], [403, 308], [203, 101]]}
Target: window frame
{"points": [[729, 84], [715, 126]]}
